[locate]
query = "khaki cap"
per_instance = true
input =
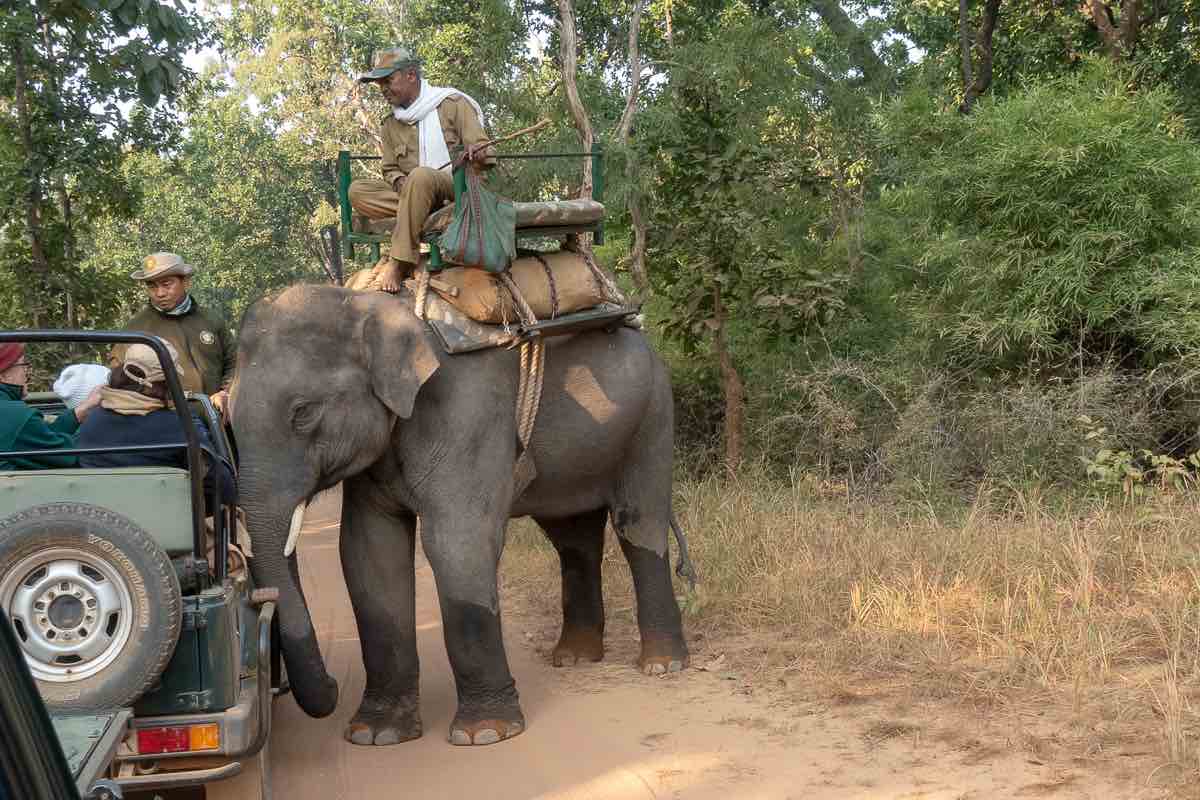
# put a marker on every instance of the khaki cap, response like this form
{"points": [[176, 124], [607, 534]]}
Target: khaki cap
{"points": [[389, 61], [146, 360], [161, 265]]}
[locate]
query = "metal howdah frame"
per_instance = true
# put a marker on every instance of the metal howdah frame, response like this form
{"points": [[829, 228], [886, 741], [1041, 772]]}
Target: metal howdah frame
{"points": [[179, 400]]}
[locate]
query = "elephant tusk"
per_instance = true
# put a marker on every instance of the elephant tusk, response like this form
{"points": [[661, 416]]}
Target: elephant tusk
{"points": [[294, 530]]}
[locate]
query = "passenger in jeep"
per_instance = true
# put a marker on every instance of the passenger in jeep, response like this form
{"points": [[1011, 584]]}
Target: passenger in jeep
{"points": [[23, 427], [135, 410]]}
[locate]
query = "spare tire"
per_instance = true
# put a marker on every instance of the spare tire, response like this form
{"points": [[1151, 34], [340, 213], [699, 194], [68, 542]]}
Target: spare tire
{"points": [[94, 601]]}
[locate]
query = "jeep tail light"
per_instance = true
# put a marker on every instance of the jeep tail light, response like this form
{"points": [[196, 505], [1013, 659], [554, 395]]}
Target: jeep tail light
{"points": [[181, 739], [204, 737]]}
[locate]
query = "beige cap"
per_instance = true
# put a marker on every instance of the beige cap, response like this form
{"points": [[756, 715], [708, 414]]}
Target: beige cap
{"points": [[146, 360], [161, 265]]}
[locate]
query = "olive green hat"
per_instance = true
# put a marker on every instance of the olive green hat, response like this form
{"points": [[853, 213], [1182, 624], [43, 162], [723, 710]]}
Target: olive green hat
{"points": [[160, 265], [389, 61]]}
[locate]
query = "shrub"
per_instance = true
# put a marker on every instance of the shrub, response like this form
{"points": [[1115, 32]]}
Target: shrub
{"points": [[1059, 222]]}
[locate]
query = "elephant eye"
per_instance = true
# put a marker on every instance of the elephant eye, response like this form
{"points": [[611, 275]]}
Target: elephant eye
{"points": [[305, 416]]}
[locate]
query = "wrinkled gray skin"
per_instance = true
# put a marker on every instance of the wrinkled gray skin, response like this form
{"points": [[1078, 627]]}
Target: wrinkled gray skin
{"points": [[341, 386]]}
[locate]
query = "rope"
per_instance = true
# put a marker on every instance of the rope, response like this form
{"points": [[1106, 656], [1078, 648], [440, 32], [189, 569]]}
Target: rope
{"points": [[422, 293], [529, 387], [550, 282], [607, 287], [528, 407], [523, 386], [523, 309]]}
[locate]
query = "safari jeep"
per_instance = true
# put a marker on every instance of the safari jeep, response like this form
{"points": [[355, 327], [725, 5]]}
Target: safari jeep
{"points": [[123, 597]]}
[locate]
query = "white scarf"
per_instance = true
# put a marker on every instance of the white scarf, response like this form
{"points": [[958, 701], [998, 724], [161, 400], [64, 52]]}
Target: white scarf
{"points": [[433, 152]]}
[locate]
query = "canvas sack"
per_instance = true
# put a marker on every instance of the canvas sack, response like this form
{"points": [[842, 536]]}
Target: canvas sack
{"points": [[553, 284]]}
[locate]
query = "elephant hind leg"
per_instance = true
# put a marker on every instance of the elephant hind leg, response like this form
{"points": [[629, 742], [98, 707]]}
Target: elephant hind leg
{"points": [[643, 539], [579, 541]]}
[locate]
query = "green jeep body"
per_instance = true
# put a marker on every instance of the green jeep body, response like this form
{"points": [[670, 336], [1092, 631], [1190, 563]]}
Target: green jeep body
{"points": [[222, 667]]}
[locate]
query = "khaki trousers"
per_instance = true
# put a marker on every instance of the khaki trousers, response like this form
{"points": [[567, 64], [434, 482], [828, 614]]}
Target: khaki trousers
{"points": [[422, 192]]}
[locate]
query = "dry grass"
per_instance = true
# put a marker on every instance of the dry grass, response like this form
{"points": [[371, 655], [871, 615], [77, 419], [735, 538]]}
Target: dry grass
{"points": [[1094, 610]]}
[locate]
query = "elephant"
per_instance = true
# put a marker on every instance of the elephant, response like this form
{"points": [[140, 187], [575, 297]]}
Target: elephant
{"points": [[339, 386]]}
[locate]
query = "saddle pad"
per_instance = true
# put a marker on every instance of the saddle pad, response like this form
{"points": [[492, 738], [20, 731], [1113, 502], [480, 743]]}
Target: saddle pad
{"points": [[457, 332]]}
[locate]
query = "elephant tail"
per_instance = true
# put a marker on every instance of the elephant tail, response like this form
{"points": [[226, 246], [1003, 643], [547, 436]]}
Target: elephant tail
{"points": [[683, 567]]}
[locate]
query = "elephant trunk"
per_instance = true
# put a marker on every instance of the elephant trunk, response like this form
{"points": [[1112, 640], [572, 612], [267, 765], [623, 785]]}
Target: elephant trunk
{"points": [[315, 691]]}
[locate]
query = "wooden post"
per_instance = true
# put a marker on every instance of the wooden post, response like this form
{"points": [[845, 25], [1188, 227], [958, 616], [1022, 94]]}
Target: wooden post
{"points": [[343, 180]]}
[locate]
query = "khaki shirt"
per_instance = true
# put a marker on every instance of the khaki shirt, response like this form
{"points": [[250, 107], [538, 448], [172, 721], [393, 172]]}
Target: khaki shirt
{"points": [[400, 143], [206, 349]]}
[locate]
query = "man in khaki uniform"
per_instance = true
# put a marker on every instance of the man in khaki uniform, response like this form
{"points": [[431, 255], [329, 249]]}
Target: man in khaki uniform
{"points": [[206, 349], [427, 123]]}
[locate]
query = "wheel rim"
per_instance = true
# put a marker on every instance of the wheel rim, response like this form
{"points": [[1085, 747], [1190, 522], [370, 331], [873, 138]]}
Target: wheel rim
{"points": [[72, 612]]}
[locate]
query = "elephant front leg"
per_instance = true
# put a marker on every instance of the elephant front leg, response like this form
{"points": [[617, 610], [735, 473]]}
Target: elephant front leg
{"points": [[377, 549], [464, 567], [579, 541]]}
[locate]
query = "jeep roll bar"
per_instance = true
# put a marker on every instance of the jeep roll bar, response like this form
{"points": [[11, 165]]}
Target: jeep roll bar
{"points": [[178, 399]]}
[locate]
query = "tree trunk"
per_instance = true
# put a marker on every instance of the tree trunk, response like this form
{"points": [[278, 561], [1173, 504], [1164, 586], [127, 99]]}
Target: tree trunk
{"points": [[362, 111], [570, 64], [1121, 37], [635, 73], [733, 389], [69, 257], [1102, 18], [983, 43], [964, 42], [33, 195], [857, 43], [1131, 12], [637, 256]]}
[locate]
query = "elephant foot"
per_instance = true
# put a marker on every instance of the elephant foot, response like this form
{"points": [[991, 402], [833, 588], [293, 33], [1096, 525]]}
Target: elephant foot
{"points": [[661, 656], [381, 724], [485, 731], [578, 645]]}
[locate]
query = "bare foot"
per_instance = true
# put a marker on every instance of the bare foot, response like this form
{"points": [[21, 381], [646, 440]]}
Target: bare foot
{"points": [[388, 274]]}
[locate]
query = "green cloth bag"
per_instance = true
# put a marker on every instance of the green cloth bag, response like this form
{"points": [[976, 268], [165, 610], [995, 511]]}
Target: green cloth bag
{"points": [[483, 231]]}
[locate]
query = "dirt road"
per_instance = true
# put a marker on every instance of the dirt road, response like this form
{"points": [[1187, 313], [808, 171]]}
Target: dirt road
{"points": [[605, 731]]}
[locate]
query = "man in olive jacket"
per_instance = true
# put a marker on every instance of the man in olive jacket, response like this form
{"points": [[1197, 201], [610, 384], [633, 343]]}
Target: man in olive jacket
{"points": [[206, 349], [22, 426]]}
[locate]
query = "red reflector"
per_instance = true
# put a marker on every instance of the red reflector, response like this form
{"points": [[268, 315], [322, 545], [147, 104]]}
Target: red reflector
{"points": [[162, 740]]}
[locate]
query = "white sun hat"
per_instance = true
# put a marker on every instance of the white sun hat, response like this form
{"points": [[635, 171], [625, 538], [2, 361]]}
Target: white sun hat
{"points": [[77, 381]]}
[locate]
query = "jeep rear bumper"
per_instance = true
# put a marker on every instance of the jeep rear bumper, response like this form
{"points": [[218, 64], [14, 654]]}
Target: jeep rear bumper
{"points": [[244, 730]]}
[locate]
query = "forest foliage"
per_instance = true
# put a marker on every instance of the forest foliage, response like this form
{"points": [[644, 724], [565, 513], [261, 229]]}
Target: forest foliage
{"points": [[912, 243]]}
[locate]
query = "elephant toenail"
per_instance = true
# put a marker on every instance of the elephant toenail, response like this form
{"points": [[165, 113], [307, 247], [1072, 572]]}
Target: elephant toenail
{"points": [[487, 736], [675, 666], [460, 737], [386, 737]]}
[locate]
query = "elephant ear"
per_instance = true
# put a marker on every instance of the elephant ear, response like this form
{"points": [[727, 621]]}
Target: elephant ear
{"points": [[399, 358]]}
